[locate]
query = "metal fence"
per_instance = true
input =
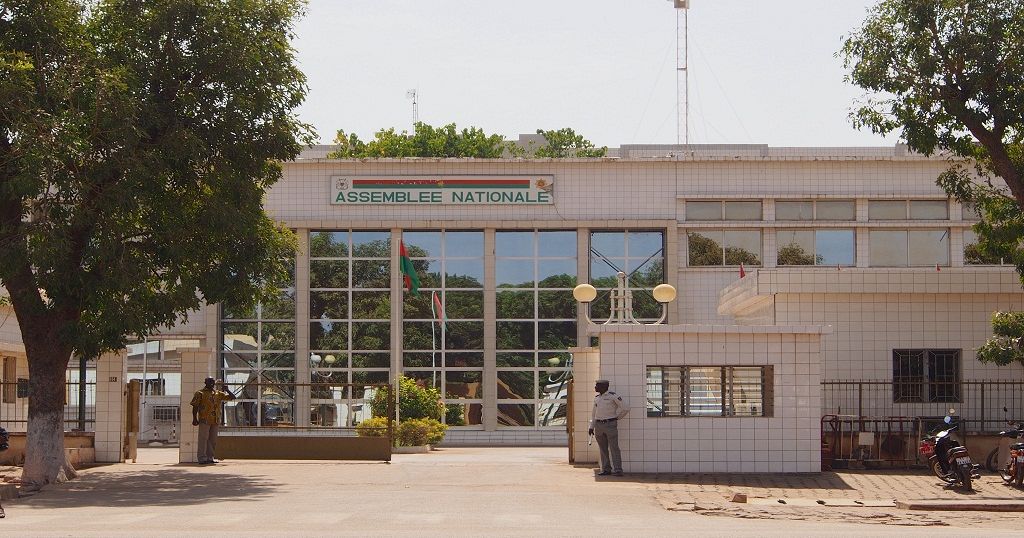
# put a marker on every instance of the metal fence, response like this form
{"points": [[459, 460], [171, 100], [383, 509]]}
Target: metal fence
{"points": [[977, 405], [79, 406]]}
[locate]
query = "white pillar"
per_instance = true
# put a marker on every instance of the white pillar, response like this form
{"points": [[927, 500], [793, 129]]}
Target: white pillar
{"points": [[196, 365], [110, 407]]}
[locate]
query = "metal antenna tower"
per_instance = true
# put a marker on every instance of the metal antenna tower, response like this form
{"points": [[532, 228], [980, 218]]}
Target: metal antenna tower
{"points": [[682, 74], [411, 94]]}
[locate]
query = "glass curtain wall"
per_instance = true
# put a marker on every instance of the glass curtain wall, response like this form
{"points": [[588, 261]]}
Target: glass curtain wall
{"points": [[443, 327], [349, 325], [257, 360], [639, 254], [535, 272]]}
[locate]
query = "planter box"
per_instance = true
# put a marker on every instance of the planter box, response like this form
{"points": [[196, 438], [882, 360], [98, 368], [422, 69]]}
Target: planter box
{"points": [[421, 449]]}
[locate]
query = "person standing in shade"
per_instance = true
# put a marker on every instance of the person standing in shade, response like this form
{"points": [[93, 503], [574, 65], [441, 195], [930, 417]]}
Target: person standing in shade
{"points": [[206, 410], [604, 424]]}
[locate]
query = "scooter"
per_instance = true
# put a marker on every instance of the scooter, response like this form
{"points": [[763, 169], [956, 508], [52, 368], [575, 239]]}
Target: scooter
{"points": [[1013, 471], [949, 460]]}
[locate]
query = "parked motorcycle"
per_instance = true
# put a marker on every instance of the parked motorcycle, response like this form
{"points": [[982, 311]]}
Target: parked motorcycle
{"points": [[949, 460], [1013, 471]]}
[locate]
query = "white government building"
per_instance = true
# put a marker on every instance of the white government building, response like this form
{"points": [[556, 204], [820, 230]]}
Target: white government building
{"points": [[858, 299]]}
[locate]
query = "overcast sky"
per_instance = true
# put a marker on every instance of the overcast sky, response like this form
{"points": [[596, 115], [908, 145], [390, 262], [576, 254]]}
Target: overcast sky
{"points": [[760, 72]]}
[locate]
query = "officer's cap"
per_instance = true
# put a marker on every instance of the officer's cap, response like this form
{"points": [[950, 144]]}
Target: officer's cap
{"points": [[602, 381]]}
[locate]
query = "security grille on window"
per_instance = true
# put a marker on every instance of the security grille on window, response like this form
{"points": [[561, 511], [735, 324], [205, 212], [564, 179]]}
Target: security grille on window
{"points": [[742, 391], [925, 375], [166, 413]]}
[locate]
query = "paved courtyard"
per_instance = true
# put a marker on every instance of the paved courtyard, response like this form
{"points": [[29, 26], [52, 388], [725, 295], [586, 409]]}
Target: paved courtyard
{"points": [[471, 491]]}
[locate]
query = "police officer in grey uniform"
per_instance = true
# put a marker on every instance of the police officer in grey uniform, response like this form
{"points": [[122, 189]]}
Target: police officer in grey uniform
{"points": [[604, 424]]}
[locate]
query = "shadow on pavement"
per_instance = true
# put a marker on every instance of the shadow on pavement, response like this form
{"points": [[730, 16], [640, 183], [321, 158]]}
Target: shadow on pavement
{"points": [[161, 487], [825, 480]]}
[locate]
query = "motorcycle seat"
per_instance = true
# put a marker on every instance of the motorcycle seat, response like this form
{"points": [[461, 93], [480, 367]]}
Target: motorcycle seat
{"points": [[1017, 446], [1013, 434]]}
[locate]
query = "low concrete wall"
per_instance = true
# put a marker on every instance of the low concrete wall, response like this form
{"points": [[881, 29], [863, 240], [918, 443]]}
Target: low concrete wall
{"points": [[78, 446], [278, 447]]}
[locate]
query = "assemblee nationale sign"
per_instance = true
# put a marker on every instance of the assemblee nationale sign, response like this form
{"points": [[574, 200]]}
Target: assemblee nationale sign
{"points": [[464, 190]]}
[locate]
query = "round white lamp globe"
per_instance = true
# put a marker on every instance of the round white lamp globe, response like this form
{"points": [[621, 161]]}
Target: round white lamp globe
{"points": [[664, 293], [584, 293]]}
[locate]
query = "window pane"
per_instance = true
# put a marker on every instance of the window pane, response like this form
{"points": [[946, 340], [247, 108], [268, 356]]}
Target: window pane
{"points": [[907, 375], [463, 414], [371, 336], [371, 304], [328, 304], [557, 334], [649, 275], [556, 244], [328, 335], [429, 273], [232, 359], [514, 273], [554, 360], [422, 244], [743, 211], [974, 255], [519, 385], [969, 212], [929, 247], [464, 274], [463, 385], [420, 335], [420, 360], [463, 304], [944, 375], [328, 274], [888, 248], [887, 209], [644, 244], [742, 246], [609, 244], [278, 336], [703, 210], [556, 273], [515, 335], [328, 244], [240, 336], [516, 415], [516, 244], [796, 247], [282, 307], [556, 305], [371, 360], [277, 360], [603, 270], [553, 384], [929, 209], [371, 244], [464, 244], [464, 335], [371, 274], [463, 360], [705, 391], [835, 210], [514, 304], [515, 360], [705, 248], [835, 247], [746, 389], [802, 210], [550, 413]]}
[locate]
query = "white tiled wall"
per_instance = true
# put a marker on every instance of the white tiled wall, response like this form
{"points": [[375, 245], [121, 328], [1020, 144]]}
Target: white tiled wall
{"points": [[789, 441], [110, 407], [196, 365]]}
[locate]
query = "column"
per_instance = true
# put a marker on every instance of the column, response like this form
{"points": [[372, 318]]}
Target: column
{"points": [[110, 407], [671, 271], [196, 365], [302, 393], [582, 272], [490, 375], [397, 302]]}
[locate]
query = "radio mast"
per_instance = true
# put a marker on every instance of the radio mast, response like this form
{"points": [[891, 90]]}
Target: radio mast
{"points": [[682, 76], [411, 94]]}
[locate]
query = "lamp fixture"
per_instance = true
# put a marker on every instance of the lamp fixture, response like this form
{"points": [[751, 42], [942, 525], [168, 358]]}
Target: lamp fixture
{"points": [[622, 301]]}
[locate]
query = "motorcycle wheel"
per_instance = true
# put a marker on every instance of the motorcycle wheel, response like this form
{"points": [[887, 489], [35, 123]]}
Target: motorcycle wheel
{"points": [[965, 477], [936, 470], [992, 461], [1019, 475]]}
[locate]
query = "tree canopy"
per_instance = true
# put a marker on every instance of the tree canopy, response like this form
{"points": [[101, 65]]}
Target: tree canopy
{"points": [[949, 76], [448, 141], [137, 140]]}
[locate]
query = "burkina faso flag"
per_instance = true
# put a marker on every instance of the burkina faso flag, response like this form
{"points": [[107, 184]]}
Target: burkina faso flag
{"points": [[412, 282]]}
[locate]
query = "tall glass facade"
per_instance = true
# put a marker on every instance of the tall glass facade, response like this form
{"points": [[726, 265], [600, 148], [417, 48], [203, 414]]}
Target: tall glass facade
{"points": [[639, 254]]}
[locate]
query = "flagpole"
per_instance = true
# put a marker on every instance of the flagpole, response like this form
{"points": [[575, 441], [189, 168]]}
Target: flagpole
{"points": [[433, 341]]}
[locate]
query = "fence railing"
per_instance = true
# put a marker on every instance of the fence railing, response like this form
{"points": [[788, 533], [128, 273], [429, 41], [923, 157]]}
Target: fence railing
{"points": [[340, 407], [978, 405], [14, 397]]}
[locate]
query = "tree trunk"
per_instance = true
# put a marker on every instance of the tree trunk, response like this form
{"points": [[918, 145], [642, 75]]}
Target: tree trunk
{"points": [[45, 459]]}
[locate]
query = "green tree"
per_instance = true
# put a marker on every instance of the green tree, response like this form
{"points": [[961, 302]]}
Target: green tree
{"points": [[560, 144], [137, 141], [793, 254], [425, 141], [949, 76], [414, 401]]}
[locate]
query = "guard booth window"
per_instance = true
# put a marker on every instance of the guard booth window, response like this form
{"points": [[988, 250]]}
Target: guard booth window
{"points": [[925, 375]]}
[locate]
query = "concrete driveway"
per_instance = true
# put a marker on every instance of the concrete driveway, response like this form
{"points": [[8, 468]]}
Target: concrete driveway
{"points": [[456, 491]]}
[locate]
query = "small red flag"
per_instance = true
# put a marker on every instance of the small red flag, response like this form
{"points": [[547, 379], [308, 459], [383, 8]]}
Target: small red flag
{"points": [[742, 272]]}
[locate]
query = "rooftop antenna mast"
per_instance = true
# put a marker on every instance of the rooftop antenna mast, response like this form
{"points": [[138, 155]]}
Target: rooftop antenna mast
{"points": [[412, 94], [682, 74]]}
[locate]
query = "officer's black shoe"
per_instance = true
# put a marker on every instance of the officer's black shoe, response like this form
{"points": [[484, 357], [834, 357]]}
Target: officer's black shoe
{"points": [[617, 473], [604, 473]]}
